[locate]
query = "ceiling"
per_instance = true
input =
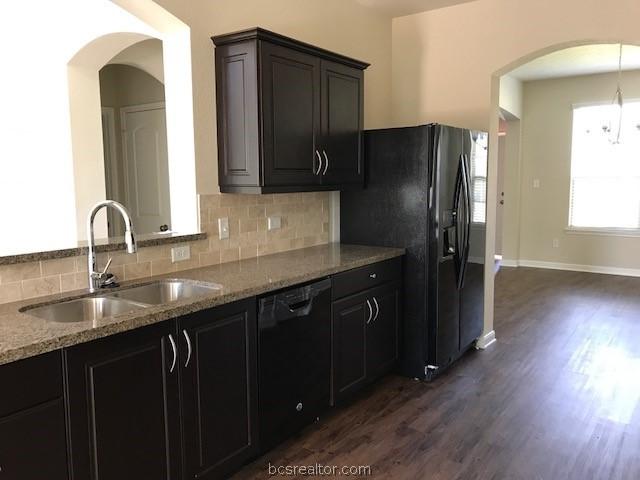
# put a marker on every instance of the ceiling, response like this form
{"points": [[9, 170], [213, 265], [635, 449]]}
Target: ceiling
{"points": [[399, 8], [583, 60]]}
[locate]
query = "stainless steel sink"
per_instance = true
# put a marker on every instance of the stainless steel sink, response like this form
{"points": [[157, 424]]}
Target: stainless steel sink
{"points": [[165, 291], [83, 309]]}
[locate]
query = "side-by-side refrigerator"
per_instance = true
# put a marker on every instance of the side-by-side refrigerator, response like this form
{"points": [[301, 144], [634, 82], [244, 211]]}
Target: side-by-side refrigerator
{"points": [[426, 191]]}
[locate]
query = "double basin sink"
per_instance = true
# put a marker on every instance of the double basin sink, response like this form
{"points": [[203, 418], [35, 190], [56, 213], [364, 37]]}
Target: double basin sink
{"points": [[121, 301]]}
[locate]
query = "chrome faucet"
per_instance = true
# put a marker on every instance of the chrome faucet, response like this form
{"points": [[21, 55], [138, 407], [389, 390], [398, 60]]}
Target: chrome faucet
{"points": [[99, 279]]}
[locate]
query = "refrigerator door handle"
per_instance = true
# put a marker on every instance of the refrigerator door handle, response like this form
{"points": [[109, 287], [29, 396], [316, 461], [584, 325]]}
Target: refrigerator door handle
{"points": [[457, 258], [467, 222]]}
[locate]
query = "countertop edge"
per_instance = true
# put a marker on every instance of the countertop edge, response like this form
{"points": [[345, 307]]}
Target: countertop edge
{"points": [[162, 313], [99, 248]]}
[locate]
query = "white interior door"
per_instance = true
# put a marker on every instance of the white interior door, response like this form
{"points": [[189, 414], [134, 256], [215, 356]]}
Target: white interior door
{"points": [[144, 139], [500, 205]]}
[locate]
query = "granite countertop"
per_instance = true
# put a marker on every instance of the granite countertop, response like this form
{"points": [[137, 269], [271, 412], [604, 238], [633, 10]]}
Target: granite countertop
{"points": [[22, 335], [102, 245]]}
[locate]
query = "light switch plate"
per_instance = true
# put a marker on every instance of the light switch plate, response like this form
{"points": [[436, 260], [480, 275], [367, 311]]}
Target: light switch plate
{"points": [[223, 228], [536, 183], [274, 223], [181, 253]]}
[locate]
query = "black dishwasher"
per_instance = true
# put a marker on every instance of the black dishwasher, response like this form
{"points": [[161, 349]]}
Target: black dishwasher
{"points": [[295, 359]]}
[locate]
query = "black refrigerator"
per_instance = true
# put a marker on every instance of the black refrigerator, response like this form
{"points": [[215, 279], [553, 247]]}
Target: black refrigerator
{"points": [[426, 191]]}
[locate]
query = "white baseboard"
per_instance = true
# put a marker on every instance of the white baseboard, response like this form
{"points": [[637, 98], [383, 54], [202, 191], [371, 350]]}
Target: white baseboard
{"points": [[486, 340], [508, 262], [627, 272]]}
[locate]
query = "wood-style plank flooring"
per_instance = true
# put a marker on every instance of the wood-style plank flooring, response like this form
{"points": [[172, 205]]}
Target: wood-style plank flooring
{"points": [[557, 397]]}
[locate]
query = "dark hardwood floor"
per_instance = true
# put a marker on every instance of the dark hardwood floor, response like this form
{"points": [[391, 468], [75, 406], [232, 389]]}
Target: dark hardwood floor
{"points": [[557, 397]]}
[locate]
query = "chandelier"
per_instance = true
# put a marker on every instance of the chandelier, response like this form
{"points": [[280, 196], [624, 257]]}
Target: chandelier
{"points": [[613, 126]]}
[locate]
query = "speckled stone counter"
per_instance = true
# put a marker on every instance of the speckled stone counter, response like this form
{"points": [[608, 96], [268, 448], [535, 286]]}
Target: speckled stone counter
{"points": [[103, 245], [23, 335]]}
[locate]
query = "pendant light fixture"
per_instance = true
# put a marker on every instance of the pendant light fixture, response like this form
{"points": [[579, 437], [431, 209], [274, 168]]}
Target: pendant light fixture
{"points": [[613, 127]]}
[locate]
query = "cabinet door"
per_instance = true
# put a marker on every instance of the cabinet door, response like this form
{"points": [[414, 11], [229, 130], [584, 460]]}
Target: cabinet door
{"points": [[382, 331], [219, 389], [290, 115], [237, 115], [342, 124], [33, 444], [123, 406], [349, 339]]}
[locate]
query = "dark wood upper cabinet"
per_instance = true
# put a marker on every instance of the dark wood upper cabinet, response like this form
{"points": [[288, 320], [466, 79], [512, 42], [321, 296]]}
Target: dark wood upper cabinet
{"points": [[290, 93], [342, 124], [219, 389], [123, 406], [289, 115]]}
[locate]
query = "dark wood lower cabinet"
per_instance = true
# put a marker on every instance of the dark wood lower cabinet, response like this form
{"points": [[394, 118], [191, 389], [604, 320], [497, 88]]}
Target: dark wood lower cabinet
{"points": [[178, 400], [33, 444], [365, 338], [349, 345], [123, 406], [382, 331], [219, 389]]}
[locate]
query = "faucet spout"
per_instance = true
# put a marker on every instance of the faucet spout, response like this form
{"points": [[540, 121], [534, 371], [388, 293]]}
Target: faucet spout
{"points": [[95, 278]]}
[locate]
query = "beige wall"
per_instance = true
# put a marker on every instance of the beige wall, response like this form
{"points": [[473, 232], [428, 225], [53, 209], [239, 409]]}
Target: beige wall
{"points": [[305, 223], [447, 64], [343, 26], [511, 95], [546, 155]]}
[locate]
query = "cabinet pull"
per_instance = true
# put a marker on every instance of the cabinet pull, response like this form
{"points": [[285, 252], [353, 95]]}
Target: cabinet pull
{"points": [[188, 340], [373, 275], [319, 163], [326, 162], [370, 311], [175, 353], [375, 301]]}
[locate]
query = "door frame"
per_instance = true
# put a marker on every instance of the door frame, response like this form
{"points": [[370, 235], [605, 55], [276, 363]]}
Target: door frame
{"points": [[112, 184]]}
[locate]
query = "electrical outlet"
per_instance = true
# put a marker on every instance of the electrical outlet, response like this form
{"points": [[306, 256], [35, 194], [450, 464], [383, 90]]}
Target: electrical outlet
{"points": [[274, 223], [536, 183], [556, 243], [181, 253], [223, 228]]}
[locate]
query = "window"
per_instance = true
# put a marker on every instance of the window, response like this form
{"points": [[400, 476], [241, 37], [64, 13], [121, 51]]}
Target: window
{"points": [[478, 167], [605, 176]]}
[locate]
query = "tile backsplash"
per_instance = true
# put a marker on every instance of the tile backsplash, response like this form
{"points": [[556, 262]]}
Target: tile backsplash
{"points": [[305, 223]]}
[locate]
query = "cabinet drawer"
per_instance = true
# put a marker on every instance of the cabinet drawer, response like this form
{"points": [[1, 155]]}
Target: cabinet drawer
{"points": [[359, 279], [29, 382]]}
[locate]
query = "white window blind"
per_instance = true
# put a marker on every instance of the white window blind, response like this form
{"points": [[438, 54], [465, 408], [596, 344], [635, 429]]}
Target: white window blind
{"points": [[605, 177], [478, 175]]}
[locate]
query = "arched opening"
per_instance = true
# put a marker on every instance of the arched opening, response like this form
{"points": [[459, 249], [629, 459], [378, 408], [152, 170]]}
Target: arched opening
{"points": [[159, 48], [545, 193]]}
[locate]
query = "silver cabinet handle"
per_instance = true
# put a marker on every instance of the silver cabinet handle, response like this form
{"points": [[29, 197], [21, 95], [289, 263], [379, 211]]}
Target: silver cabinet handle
{"points": [[319, 163], [370, 311], [188, 340], [175, 353], [375, 300], [373, 275], [326, 162]]}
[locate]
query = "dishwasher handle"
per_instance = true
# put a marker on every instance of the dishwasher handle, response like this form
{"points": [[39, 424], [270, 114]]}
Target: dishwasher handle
{"points": [[303, 306], [295, 303]]}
